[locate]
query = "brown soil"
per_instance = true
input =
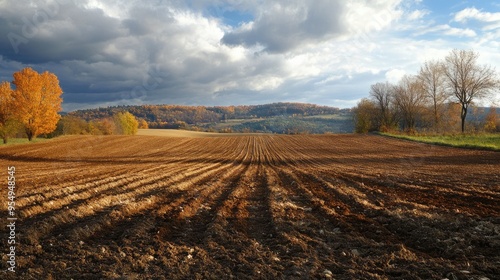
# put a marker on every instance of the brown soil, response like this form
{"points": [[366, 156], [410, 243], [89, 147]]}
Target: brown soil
{"points": [[252, 207]]}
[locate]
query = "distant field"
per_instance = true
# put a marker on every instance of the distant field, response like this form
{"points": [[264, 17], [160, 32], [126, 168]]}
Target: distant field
{"points": [[479, 141], [330, 117], [288, 124], [186, 133]]}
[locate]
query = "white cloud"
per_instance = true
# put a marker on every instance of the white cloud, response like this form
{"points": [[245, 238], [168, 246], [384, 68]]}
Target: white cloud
{"points": [[376, 16], [394, 75], [115, 10], [490, 27], [448, 30], [460, 32], [473, 13], [417, 14]]}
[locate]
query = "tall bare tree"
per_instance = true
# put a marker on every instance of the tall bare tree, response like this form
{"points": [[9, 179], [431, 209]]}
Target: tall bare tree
{"points": [[432, 79], [466, 80], [382, 95], [409, 98]]}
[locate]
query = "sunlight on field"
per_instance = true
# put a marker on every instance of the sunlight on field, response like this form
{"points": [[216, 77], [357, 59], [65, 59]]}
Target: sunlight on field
{"points": [[185, 133], [17, 141], [273, 206]]}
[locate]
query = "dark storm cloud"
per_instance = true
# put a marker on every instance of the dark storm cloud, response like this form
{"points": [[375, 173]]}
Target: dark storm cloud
{"points": [[93, 54], [284, 26], [134, 52], [52, 32]]}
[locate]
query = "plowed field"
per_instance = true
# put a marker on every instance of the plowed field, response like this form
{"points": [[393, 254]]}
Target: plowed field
{"points": [[252, 207]]}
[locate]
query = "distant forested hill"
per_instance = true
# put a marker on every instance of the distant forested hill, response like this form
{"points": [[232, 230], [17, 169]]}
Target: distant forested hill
{"points": [[202, 114], [276, 117]]}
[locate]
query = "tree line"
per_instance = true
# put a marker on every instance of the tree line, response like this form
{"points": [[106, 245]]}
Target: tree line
{"points": [[122, 123], [437, 98], [173, 116], [30, 106]]}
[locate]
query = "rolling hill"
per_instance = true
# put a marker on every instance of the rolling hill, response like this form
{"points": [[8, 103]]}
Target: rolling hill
{"points": [[281, 118]]}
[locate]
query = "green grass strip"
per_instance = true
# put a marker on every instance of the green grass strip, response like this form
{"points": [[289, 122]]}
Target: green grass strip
{"points": [[19, 141], [470, 141]]}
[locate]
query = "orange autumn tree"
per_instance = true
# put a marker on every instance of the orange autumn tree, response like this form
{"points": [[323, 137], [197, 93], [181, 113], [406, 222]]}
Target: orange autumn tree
{"points": [[7, 119], [36, 101]]}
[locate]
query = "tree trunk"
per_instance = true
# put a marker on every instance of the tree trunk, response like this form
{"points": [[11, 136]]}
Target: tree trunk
{"points": [[30, 134], [436, 117], [5, 140], [463, 115]]}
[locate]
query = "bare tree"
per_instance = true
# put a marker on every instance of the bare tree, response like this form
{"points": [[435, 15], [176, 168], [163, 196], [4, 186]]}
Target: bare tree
{"points": [[466, 80], [432, 79], [382, 95], [409, 98]]}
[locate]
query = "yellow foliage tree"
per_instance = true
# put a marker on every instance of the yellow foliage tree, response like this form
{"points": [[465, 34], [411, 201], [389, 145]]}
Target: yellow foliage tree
{"points": [[143, 124], [364, 114], [107, 126], [126, 123], [490, 124], [37, 99]]}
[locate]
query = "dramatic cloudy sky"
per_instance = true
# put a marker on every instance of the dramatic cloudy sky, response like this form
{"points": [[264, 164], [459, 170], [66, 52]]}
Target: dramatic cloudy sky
{"points": [[222, 52]]}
